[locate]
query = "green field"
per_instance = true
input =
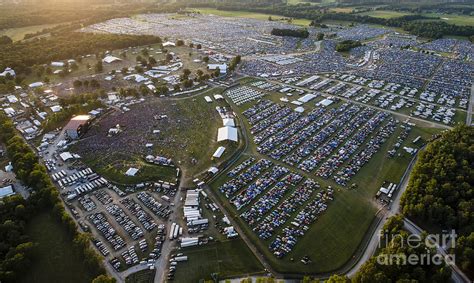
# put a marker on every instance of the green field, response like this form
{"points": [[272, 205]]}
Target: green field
{"points": [[17, 34], [463, 20], [116, 171], [227, 259], [143, 276], [56, 260], [336, 235], [251, 15], [385, 14]]}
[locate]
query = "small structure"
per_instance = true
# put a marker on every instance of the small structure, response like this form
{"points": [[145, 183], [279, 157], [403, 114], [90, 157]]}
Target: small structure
{"points": [[299, 109], [36, 84], [56, 108], [57, 64], [65, 156], [222, 67], [110, 59], [169, 44], [220, 150], [131, 172], [325, 102], [6, 191], [8, 71], [12, 99], [227, 134], [228, 122], [77, 126], [9, 167]]}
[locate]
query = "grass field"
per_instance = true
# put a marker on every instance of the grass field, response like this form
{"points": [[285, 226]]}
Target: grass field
{"points": [[463, 20], [228, 258], [56, 261], [243, 14], [384, 14], [143, 276], [17, 34], [335, 236]]}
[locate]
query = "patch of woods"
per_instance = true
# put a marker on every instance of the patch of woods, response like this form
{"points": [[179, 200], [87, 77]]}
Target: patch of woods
{"points": [[347, 45], [71, 13], [17, 252], [440, 191], [301, 33], [22, 56], [72, 105]]}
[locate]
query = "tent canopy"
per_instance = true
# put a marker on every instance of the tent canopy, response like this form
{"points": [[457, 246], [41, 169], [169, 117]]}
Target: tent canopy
{"points": [[227, 133]]}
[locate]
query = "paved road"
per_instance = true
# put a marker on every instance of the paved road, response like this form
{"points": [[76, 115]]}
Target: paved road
{"points": [[470, 107], [457, 276]]}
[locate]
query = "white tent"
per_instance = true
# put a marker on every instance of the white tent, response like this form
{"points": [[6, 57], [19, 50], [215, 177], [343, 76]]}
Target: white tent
{"points": [[56, 108], [6, 191], [213, 170], [228, 122], [307, 97], [299, 109], [325, 102], [110, 59], [37, 84], [65, 156], [220, 150], [168, 44], [227, 133], [131, 172], [7, 71]]}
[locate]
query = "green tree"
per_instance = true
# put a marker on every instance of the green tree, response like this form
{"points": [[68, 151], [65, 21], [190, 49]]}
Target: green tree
{"points": [[98, 66]]}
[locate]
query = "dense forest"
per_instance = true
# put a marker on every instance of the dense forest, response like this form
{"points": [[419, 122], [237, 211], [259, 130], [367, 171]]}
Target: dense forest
{"points": [[16, 251], [347, 45], [21, 56], [23, 15], [302, 33], [440, 191]]}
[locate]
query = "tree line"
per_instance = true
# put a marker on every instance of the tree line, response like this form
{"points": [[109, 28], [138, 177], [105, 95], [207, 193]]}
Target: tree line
{"points": [[347, 45], [301, 33], [440, 191], [16, 251]]}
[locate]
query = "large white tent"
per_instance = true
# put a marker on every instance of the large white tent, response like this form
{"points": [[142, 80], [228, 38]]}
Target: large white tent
{"points": [[219, 152], [131, 172], [227, 134], [228, 122]]}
